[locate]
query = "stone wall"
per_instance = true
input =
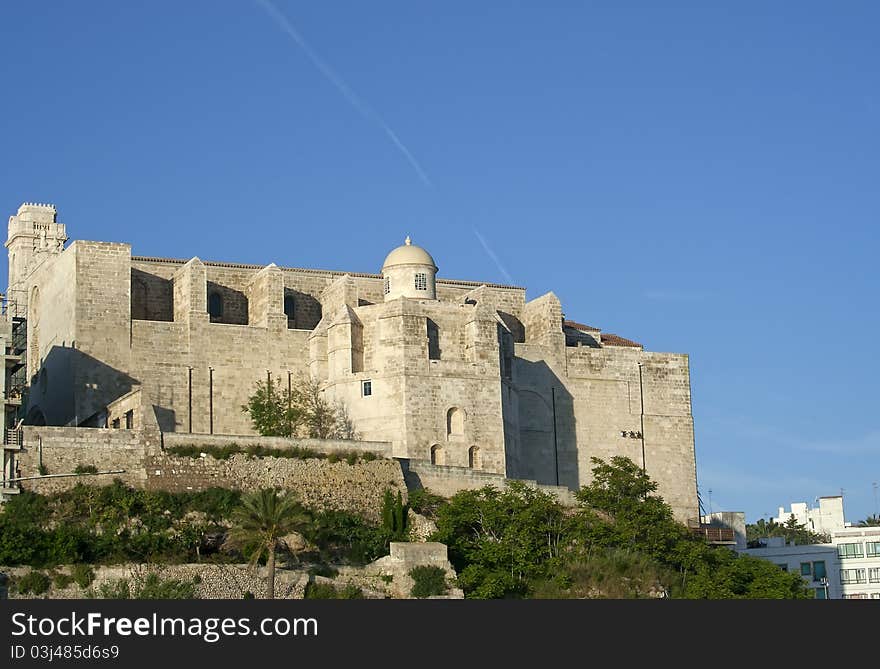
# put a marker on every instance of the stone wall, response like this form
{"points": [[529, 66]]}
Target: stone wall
{"points": [[380, 448], [319, 483]]}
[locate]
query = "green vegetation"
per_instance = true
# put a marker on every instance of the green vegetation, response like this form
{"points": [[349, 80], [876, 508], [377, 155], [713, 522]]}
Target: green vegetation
{"points": [[152, 586], [430, 581], [42, 469], [301, 411], [621, 541], [257, 451], [85, 469], [791, 530], [329, 591], [82, 575], [261, 523], [425, 502], [394, 513], [33, 583]]}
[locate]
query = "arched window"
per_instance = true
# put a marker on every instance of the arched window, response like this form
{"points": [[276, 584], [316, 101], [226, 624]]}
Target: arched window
{"points": [[290, 310], [454, 422], [474, 459], [215, 306], [438, 455]]}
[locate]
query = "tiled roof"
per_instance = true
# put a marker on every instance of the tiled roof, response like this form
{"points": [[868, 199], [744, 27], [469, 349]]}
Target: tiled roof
{"points": [[614, 340], [579, 326]]}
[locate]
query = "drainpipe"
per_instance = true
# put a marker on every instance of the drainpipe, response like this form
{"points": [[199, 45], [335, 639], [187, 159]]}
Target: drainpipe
{"points": [[190, 390], [210, 400], [642, 416], [555, 443]]}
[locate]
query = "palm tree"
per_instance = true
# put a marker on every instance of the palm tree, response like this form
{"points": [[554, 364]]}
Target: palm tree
{"points": [[870, 521], [262, 520]]}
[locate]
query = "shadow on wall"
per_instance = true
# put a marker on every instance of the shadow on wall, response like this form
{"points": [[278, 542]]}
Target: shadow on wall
{"points": [[73, 388], [227, 305], [547, 451], [152, 297]]}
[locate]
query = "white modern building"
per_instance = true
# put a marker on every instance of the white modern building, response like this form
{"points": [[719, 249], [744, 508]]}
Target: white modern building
{"points": [[846, 568]]}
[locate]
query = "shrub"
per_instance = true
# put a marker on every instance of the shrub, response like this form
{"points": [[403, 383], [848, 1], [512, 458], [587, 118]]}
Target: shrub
{"points": [[82, 575], [61, 580], [329, 591], [429, 581], [34, 582], [425, 503], [85, 469], [43, 469]]}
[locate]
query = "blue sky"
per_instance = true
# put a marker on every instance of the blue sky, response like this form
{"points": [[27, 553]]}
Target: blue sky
{"points": [[699, 177]]}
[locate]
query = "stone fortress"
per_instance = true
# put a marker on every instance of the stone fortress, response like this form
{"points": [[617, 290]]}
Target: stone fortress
{"points": [[462, 381]]}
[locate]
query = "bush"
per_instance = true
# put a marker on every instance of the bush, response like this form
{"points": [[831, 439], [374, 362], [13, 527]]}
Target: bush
{"points": [[323, 570], [61, 580], [429, 580], [82, 575], [43, 469], [329, 591], [85, 469], [34, 582], [425, 503]]}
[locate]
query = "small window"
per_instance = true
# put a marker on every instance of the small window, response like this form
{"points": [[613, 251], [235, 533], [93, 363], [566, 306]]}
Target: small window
{"points": [[421, 281], [129, 419], [215, 305], [367, 388], [438, 456], [819, 570], [783, 567], [806, 569], [289, 309], [474, 459], [115, 423], [387, 285]]}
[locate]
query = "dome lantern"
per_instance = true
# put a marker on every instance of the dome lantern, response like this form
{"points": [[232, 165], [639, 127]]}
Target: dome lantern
{"points": [[409, 271]]}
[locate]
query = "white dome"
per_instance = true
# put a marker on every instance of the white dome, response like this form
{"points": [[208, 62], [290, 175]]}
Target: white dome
{"points": [[408, 254]]}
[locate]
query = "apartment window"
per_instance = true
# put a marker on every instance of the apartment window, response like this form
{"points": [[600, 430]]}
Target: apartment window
{"points": [[819, 593], [366, 388], [875, 595], [129, 419], [421, 281], [874, 574], [819, 570], [857, 595], [387, 285], [850, 551], [852, 575], [806, 569], [872, 548]]}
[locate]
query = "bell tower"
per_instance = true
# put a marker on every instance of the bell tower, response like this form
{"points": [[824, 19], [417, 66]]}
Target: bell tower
{"points": [[34, 235]]}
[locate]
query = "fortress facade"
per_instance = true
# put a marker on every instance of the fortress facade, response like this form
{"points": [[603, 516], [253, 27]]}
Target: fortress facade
{"points": [[459, 374]]}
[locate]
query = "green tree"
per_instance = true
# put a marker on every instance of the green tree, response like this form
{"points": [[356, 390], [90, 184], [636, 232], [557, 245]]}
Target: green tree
{"points": [[261, 522], [792, 531], [501, 539], [301, 411], [273, 411]]}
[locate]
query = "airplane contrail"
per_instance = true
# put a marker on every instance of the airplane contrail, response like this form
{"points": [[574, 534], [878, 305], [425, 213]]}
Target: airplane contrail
{"points": [[494, 257], [353, 98]]}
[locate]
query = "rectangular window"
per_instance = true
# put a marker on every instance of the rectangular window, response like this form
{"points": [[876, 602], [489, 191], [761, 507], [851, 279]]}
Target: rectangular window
{"points": [[872, 548], [783, 567], [850, 551], [874, 574], [129, 419], [819, 570], [387, 285], [366, 388], [421, 281], [852, 575], [806, 569], [875, 595], [819, 593]]}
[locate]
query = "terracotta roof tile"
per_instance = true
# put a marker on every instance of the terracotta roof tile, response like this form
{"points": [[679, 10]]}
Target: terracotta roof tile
{"points": [[614, 340], [580, 326]]}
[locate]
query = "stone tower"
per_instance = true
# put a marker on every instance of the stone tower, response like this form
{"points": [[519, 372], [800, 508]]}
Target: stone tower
{"points": [[409, 271], [34, 235]]}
